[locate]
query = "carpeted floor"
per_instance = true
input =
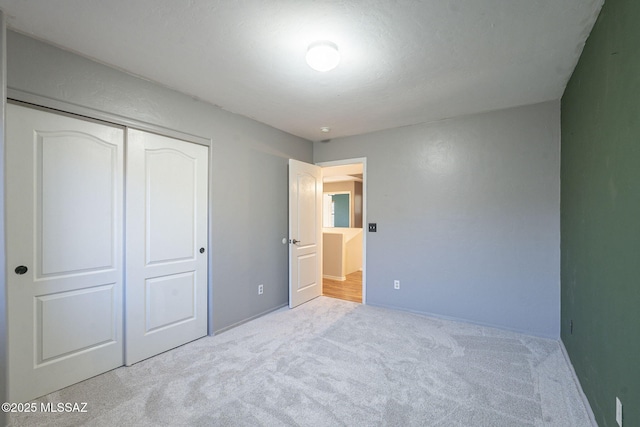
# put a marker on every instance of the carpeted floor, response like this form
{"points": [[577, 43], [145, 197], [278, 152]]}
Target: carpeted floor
{"points": [[336, 363]]}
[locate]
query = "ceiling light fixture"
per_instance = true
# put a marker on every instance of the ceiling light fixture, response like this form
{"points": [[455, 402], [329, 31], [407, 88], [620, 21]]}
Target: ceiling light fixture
{"points": [[323, 55], [325, 129]]}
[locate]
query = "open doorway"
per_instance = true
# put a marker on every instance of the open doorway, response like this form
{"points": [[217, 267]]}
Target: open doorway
{"points": [[343, 235]]}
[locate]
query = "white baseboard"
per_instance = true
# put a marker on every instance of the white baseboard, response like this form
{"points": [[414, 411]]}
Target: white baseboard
{"points": [[249, 319], [339, 278], [583, 396]]}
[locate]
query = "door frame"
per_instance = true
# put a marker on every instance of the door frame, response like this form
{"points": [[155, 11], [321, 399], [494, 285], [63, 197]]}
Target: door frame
{"points": [[363, 161]]}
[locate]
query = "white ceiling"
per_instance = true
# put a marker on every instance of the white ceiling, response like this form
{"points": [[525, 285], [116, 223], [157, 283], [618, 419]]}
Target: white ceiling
{"points": [[403, 61], [350, 172]]}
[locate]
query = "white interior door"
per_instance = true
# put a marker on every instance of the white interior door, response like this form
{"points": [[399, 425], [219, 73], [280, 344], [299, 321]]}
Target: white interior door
{"points": [[305, 232], [166, 214], [64, 250]]}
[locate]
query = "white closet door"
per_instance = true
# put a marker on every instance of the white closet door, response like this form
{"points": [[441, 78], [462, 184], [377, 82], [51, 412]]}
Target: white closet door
{"points": [[166, 291], [64, 250]]}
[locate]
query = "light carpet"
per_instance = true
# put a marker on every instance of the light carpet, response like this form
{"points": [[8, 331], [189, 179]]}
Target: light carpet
{"points": [[336, 363]]}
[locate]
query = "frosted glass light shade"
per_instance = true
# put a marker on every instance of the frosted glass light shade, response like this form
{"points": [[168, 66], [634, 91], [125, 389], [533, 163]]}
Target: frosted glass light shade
{"points": [[323, 56]]}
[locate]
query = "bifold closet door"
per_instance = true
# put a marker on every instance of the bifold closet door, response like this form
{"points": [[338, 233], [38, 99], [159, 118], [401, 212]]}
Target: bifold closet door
{"points": [[64, 250], [166, 244]]}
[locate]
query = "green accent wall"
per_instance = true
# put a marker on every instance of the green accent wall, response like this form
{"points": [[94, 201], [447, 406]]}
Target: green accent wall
{"points": [[600, 215], [341, 210]]}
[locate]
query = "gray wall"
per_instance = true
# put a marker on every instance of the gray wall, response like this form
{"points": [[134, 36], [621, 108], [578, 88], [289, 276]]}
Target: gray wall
{"points": [[249, 169], [468, 214], [3, 297]]}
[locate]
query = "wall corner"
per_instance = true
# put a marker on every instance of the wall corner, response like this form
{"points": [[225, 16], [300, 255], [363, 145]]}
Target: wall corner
{"points": [[4, 419]]}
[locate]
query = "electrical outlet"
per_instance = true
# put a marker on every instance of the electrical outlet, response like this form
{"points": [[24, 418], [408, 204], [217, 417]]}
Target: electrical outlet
{"points": [[396, 284], [260, 289], [619, 412]]}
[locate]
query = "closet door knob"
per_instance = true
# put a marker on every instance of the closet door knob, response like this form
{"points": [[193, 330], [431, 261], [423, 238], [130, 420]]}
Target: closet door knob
{"points": [[201, 250], [21, 269]]}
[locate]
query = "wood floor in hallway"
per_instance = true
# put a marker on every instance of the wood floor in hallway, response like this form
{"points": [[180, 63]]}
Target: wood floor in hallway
{"points": [[350, 289]]}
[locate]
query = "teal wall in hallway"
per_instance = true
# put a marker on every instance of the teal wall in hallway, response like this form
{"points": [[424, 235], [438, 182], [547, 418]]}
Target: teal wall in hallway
{"points": [[600, 214], [341, 210]]}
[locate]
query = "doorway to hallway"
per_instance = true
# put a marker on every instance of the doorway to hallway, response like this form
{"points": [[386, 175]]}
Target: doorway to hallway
{"points": [[344, 248]]}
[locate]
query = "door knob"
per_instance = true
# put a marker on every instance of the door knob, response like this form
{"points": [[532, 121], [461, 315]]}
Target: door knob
{"points": [[201, 250], [21, 269], [294, 241]]}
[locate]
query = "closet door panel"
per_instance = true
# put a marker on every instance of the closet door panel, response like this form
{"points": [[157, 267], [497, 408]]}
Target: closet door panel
{"points": [[64, 250], [167, 199]]}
